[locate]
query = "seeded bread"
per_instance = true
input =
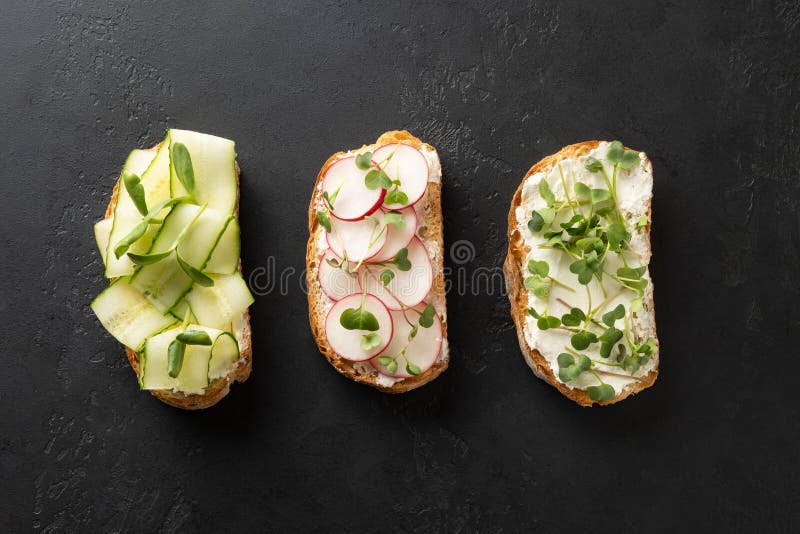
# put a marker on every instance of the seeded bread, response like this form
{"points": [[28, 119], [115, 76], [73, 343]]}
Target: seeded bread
{"points": [[430, 233], [218, 387], [514, 269]]}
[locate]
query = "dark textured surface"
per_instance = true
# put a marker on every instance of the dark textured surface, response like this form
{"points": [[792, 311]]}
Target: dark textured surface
{"points": [[711, 92]]}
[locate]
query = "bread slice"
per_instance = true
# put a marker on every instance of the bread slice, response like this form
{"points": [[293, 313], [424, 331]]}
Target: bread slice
{"points": [[514, 269], [431, 234], [218, 387]]}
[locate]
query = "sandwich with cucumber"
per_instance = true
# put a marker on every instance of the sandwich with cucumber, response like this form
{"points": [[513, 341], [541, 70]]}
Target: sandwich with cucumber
{"points": [[374, 264], [577, 272], [170, 244]]}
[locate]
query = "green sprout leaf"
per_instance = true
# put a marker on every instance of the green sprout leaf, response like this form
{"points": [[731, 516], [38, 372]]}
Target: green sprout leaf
{"points": [[546, 193], [384, 360], [195, 274], [370, 341], [574, 318], [601, 393], [536, 223], [175, 353], [586, 267], [642, 222], [648, 348], [401, 260], [617, 235], [125, 243], [148, 259], [194, 337], [588, 244], [629, 160], [636, 305], [413, 333], [541, 217], [324, 220], [328, 199], [359, 319], [412, 369], [599, 195], [364, 161], [581, 340], [538, 286], [395, 196], [632, 278], [593, 164], [608, 339], [546, 322], [582, 191], [375, 179], [182, 162], [569, 369], [387, 275], [614, 315], [605, 211], [426, 319], [615, 151], [539, 267], [392, 366], [533, 313], [135, 190], [395, 218]]}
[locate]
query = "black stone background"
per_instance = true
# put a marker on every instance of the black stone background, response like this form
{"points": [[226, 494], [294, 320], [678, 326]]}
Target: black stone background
{"points": [[709, 89]]}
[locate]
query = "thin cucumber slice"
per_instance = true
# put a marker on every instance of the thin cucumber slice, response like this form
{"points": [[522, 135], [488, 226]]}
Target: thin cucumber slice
{"points": [[217, 306], [200, 363], [128, 315], [193, 377], [126, 216], [156, 179], [224, 353], [225, 259], [164, 282], [102, 231], [180, 309], [214, 164]]}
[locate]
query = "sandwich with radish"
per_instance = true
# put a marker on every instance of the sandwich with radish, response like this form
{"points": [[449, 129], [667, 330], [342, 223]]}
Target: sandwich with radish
{"points": [[170, 245], [374, 264], [577, 272]]}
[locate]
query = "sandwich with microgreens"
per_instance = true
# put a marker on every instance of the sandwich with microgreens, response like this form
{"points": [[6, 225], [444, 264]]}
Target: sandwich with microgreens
{"points": [[170, 243], [577, 272], [374, 264]]}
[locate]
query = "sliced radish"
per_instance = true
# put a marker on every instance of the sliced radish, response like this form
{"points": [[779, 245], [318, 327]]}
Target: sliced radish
{"points": [[406, 164], [347, 343], [422, 350], [356, 240], [344, 183], [407, 288], [397, 238], [336, 282]]}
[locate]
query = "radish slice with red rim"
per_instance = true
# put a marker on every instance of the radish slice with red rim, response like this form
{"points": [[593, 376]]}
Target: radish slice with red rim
{"points": [[406, 288], [407, 165], [356, 240], [397, 238], [348, 343], [347, 191], [422, 350], [336, 282]]}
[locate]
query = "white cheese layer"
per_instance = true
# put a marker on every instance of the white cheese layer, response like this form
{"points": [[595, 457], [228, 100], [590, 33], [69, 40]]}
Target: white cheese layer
{"points": [[634, 191]]}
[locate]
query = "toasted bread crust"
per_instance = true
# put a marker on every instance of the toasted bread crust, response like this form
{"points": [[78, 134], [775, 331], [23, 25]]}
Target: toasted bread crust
{"points": [[219, 387], [433, 234], [518, 296]]}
